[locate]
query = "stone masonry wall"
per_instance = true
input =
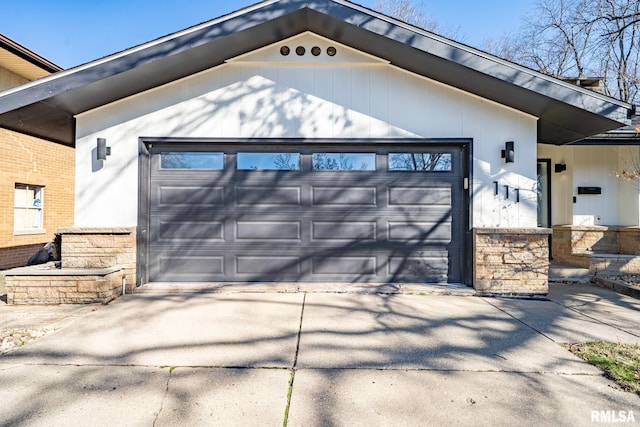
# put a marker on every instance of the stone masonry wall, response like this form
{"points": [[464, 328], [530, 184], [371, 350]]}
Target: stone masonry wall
{"points": [[72, 288], [88, 247], [562, 248], [629, 240], [571, 243], [511, 260], [614, 265]]}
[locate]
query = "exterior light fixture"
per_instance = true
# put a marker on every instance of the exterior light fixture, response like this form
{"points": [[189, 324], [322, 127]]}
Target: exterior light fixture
{"points": [[102, 151], [560, 167], [508, 154]]}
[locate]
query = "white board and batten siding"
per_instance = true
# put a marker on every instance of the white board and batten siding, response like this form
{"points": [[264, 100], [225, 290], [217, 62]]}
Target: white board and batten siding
{"points": [[593, 166], [266, 95]]}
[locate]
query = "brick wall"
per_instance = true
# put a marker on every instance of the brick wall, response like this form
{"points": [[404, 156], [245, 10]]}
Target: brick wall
{"points": [[511, 260], [93, 247], [17, 256], [29, 160]]}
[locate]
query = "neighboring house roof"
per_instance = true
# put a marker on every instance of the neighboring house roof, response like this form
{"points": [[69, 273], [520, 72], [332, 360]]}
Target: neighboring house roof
{"points": [[567, 113], [24, 62]]}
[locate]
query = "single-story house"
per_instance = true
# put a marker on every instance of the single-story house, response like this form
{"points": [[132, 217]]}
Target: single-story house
{"points": [[320, 141], [37, 175]]}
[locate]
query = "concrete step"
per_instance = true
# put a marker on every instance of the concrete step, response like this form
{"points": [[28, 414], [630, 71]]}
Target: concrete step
{"points": [[566, 273]]}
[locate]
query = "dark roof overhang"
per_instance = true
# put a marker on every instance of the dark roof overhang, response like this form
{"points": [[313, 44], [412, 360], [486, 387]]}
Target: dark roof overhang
{"points": [[627, 135], [46, 108]]}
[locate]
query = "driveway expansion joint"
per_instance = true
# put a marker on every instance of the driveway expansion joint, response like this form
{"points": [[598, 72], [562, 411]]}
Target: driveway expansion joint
{"points": [[520, 321], [595, 319], [164, 397]]}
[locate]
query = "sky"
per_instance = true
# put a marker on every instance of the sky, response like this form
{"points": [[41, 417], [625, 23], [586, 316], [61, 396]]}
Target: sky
{"points": [[73, 32]]}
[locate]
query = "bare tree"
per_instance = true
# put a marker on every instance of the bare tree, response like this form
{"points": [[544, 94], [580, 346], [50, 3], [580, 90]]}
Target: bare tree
{"points": [[411, 13], [579, 38], [285, 161], [324, 161], [424, 162], [619, 22]]}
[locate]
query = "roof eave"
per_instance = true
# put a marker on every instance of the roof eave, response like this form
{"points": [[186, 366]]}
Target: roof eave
{"points": [[567, 113]]}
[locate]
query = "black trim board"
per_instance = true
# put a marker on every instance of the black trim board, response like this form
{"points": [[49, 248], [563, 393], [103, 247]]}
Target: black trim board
{"points": [[142, 230]]}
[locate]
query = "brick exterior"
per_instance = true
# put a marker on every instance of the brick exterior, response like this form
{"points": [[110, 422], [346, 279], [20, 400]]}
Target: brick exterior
{"points": [[29, 160], [511, 260], [87, 248], [17, 256]]}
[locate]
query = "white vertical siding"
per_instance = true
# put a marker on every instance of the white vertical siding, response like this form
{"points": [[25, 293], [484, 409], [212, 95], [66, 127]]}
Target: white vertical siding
{"points": [[260, 99], [595, 166], [628, 200]]}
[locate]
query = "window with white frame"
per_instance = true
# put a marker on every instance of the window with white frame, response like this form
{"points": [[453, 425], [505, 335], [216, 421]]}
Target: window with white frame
{"points": [[28, 208]]}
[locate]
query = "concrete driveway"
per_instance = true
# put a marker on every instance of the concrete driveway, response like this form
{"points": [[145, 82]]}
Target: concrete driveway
{"points": [[323, 359]]}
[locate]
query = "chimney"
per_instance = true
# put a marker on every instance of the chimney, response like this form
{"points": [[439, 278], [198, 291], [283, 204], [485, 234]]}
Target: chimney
{"points": [[592, 83]]}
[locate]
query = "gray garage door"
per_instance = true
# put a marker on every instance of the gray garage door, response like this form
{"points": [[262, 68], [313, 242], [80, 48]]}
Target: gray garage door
{"points": [[308, 214]]}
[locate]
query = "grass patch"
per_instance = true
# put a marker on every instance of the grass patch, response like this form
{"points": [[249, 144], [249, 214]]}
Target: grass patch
{"points": [[620, 362]]}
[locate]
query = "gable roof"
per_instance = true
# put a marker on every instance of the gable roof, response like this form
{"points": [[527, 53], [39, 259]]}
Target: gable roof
{"points": [[566, 113]]}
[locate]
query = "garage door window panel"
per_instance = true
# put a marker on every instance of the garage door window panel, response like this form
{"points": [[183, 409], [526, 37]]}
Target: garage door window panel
{"points": [[344, 161], [420, 162], [192, 160], [269, 161]]}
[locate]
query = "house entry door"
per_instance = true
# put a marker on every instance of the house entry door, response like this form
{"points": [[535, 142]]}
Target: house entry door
{"points": [[544, 193]]}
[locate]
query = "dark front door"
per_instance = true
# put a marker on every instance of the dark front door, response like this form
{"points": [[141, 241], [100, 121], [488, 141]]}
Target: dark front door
{"points": [[247, 213]]}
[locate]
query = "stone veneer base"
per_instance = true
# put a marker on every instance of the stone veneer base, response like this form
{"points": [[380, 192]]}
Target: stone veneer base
{"points": [[511, 261], [100, 247], [38, 285]]}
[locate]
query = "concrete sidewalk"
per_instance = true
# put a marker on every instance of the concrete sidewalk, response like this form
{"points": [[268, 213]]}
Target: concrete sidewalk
{"points": [[322, 359]]}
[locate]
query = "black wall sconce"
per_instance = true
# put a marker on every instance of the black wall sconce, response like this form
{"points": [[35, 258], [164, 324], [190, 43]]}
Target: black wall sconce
{"points": [[508, 154], [102, 151], [560, 167]]}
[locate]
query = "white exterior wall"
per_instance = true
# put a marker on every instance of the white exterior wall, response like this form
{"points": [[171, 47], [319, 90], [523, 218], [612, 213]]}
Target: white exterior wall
{"points": [[261, 95], [595, 166], [628, 191]]}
